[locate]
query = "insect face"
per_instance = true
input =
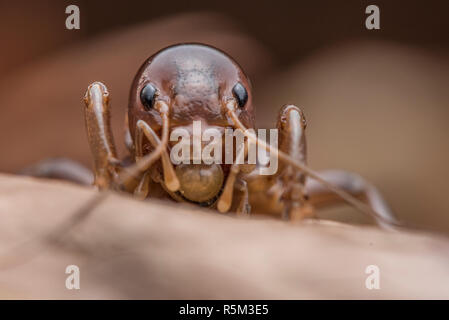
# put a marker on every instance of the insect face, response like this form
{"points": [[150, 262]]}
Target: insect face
{"points": [[195, 82]]}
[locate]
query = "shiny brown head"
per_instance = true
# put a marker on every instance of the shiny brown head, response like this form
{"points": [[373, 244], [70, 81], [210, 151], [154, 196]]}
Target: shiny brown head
{"points": [[195, 81]]}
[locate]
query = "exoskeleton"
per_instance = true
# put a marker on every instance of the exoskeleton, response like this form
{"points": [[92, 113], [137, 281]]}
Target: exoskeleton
{"points": [[185, 83]]}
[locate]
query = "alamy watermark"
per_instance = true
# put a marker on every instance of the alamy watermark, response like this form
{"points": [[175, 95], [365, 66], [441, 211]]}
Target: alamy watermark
{"points": [[73, 280], [73, 20], [373, 20], [190, 149], [373, 280]]}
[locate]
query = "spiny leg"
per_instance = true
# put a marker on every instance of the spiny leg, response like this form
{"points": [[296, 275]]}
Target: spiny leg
{"points": [[355, 185], [230, 107], [289, 181], [60, 168], [281, 191], [99, 134], [108, 170]]}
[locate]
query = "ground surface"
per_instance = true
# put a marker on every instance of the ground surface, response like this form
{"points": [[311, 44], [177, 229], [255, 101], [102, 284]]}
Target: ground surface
{"points": [[131, 249]]}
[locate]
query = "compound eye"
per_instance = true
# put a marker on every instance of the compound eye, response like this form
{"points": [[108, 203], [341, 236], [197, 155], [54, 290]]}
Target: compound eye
{"points": [[147, 96], [240, 94]]}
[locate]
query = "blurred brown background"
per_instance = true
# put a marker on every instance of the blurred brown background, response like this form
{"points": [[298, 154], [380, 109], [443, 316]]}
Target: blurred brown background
{"points": [[376, 100]]}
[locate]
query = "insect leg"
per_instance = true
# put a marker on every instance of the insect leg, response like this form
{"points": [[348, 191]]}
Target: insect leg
{"points": [[226, 199], [354, 185], [170, 179], [145, 162], [99, 134], [128, 139], [230, 108], [282, 193], [142, 189], [292, 140], [242, 198], [60, 168]]}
